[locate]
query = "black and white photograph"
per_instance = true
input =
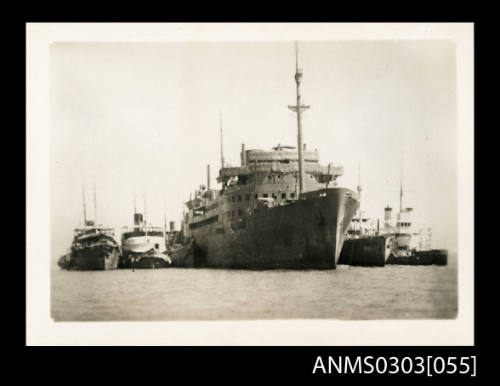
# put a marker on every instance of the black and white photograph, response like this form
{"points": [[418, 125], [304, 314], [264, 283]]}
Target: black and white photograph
{"points": [[247, 175]]}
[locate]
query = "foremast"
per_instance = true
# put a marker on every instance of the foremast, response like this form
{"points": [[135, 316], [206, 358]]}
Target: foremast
{"points": [[298, 108]]}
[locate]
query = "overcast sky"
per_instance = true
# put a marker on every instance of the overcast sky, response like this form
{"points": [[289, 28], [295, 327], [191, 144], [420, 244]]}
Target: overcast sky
{"points": [[144, 117]]}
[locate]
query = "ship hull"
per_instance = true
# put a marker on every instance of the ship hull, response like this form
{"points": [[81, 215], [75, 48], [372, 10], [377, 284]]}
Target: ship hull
{"points": [[435, 256], [144, 260], [365, 251], [99, 257], [150, 263], [306, 234]]}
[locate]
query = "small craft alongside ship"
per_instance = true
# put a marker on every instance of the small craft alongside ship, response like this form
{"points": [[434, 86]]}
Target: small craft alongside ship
{"points": [[143, 245], [94, 247], [397, 242]]}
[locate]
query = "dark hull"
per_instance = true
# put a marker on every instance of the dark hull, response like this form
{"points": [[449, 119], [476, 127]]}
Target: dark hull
{"points": [[366, 251], [435, 256], [307, 234], [142, 261], [98, 257], [149, 262]]}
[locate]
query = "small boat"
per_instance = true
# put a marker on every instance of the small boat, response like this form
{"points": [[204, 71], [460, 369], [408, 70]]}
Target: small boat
{"points": [[143, 245], [94, 247]]}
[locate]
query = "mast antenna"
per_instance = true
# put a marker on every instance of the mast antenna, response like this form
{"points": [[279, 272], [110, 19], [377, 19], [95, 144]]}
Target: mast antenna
{"points": [[84, 207], [221, 140], [145, 207], [401, 187], [95, 205], [359, 198], [145, 211], [298, 108]]}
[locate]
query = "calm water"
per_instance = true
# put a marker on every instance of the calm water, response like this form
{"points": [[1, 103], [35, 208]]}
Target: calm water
{"points": [[391, 292]]}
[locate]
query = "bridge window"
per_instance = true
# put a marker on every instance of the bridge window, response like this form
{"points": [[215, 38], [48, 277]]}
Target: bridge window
{"points": [[265, 195], [283, 195], [256, 195], [240, 212], [292, 195]]}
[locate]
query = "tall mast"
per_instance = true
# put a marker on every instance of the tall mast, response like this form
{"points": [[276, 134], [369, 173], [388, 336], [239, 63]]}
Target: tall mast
{"points": [[221, 141], [145, 207], [298, 108], [360, 214], [84, 207], [401, 188], [95, 206], [165, 223], [145, 211], [359, 189], [135, 205]]}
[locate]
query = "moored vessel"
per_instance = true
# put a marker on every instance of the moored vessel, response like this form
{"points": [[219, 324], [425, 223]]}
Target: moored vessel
{"points": [[94, 247], [143, 245], [280, 209]]}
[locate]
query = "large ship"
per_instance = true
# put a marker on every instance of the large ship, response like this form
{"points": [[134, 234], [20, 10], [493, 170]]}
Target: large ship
{"points": [[278, 209], [94, 247]]}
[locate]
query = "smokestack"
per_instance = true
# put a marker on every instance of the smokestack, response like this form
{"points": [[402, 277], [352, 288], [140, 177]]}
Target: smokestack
{"points": [[172, 226], [243, 155], [138, 218], [208, 177], [388, 213]]}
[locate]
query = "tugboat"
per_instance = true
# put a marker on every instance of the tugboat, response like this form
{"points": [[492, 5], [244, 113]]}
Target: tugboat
{"points": [[94, 247], [143, 245], [280, 209]]}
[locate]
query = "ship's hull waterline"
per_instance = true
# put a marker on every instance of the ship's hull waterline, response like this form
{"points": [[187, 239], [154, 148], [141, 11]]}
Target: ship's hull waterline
{"points": [[149, 262], [144, 260], [306, 234], [99, 257], [367, 251]]}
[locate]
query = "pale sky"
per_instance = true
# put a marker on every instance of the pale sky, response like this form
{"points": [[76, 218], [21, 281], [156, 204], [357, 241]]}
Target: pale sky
{"points": [[145, 117]]}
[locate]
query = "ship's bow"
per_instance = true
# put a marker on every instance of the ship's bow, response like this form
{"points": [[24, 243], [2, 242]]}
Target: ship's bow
{"points": [[331, 211]]}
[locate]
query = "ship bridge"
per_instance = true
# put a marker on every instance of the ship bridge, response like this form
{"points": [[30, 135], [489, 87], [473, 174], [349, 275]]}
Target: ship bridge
{"points": [[280, 161]]}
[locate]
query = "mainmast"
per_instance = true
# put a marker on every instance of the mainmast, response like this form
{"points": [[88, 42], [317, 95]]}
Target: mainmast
{"points": [[84, 207], [359, 191], [401, 189], [298, 108], [221, 141], [145, 211], [145, 208], [360, 214], [95, 206]]}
